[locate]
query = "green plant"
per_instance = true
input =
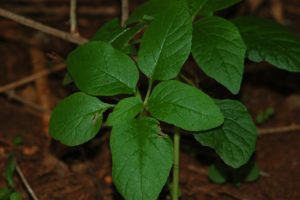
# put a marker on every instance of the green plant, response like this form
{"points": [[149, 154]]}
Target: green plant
{"points": [[9, 192], [265, 115], [169, 31]]}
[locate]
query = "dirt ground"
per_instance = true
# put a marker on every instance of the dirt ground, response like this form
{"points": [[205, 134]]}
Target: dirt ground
{"points": [[56, 172]]}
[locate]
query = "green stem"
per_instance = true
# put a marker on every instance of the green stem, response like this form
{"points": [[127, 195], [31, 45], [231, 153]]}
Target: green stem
{"points": [[187, 80], [142, 113], [148, 92], [175, 183]]}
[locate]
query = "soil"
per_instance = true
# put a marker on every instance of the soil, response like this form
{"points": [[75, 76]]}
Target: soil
{"points": [[57, 172]]}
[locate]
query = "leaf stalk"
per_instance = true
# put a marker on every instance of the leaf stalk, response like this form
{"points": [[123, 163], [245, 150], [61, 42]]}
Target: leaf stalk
{"points": [[175, 183]]}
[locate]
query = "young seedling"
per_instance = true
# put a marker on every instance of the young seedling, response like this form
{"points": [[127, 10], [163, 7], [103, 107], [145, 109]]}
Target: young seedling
{"points": [[9, 192], [169, 31]]}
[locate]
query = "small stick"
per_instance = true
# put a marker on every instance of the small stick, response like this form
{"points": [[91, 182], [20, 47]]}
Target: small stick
{"points": [[25, 182], [43, 28], [73, 18], [282, 129], [59, 10], [11, 94], [31, 78], [125, 12]]}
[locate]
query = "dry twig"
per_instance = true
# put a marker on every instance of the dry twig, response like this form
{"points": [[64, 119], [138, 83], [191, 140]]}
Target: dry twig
{"points": [[12, 95], [25, 182], [125, 12], [281, 129], [31, 78], [43, 28], [58, 10], [73, 18]]}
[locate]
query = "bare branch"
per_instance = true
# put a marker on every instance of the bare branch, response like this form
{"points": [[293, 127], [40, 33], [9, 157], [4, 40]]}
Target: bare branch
{"points": [[55, 10], [12, 95], [31, 78], [43, 28], [281, 129], [73, 17], [25, 182], [125, 12]]}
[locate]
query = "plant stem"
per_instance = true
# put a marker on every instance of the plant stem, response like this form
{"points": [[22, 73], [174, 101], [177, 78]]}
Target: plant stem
{"points": [[42, 27], [142, 113], [148, 92], [175, 183]]}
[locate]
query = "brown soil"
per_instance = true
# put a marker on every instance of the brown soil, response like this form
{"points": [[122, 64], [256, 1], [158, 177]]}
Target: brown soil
{"points": [[56, 172]]}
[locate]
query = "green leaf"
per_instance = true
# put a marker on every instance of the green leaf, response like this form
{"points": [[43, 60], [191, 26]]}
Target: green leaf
{"points": [[18, 140], [219, 51], [150, 8], [184, 106], [10, 170], [215, 5], [122, 42], [196, 5], [142, 158], [264, 115], [15, 196], [253, 174], [109, 32], [77, 119], [117, 36], [125, 110], [5, 193], [235, 140], [270, 42], [221, 173], [100, 70], [166, 44], [67, 79], [216, 175]]}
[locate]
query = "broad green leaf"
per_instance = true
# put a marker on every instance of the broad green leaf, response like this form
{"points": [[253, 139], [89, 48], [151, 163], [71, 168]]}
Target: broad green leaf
{"points": [[5, 193], [212, 6], [117, 36], [10, 170], [216, 175], [77, 119], [166, 44], [100, 70], [270, 42], [15, 196], [184, 106], [142, 158], [125, 110], [219, 51], [235, 140]]}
